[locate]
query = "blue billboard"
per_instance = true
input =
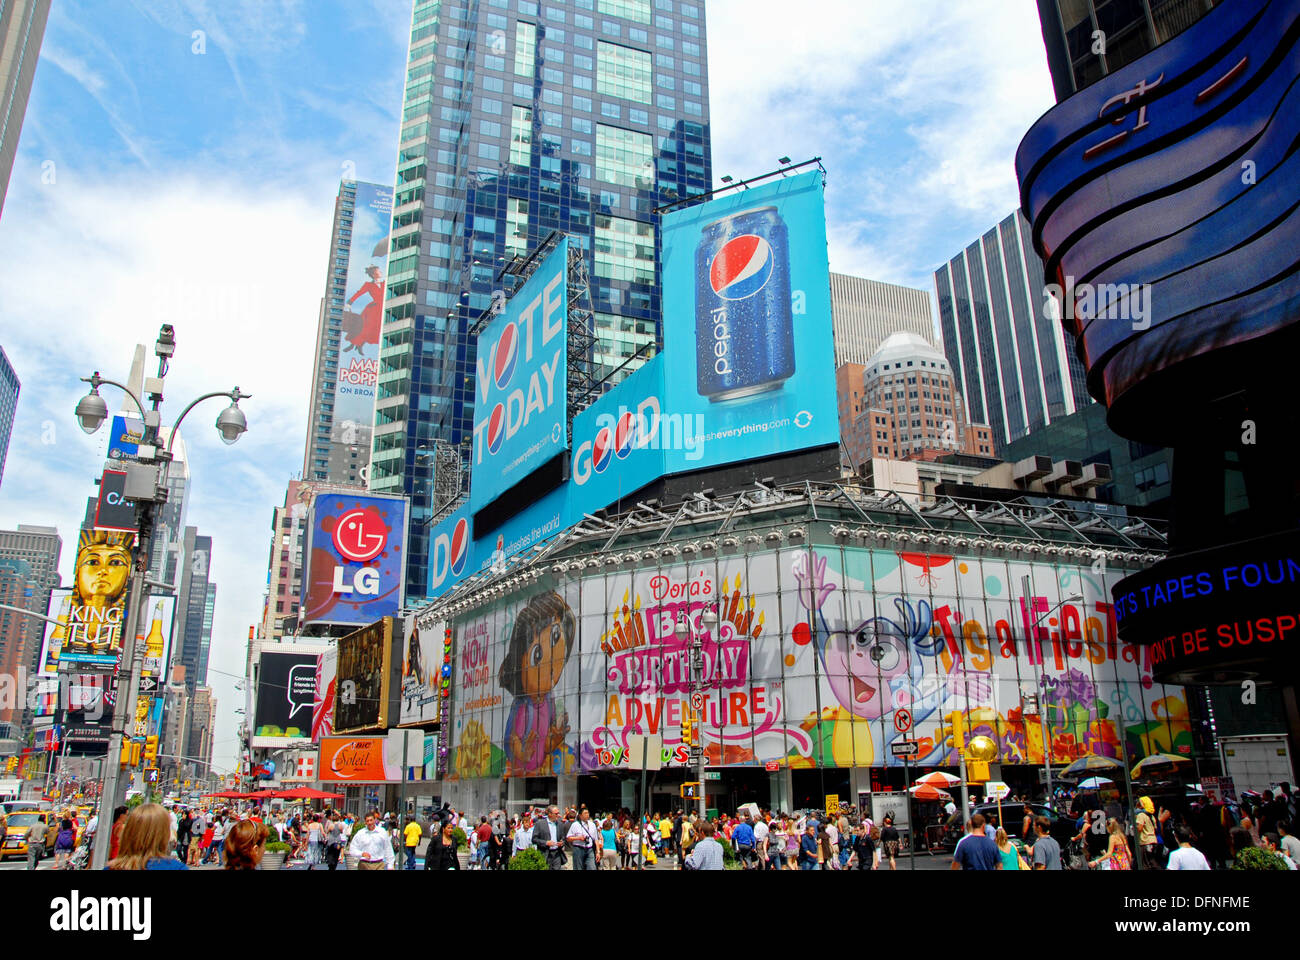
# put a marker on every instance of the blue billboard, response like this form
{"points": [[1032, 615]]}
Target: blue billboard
{"points": [[618, 442], [354, 559], [747, 326], [520, 399], [450, 551], [124, 441]]}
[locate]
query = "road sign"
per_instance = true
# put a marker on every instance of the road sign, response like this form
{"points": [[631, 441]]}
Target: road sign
{"points": [[902, 720], [772, 766], [905, 748], [645, 751], [712, 774], [148, 684], [996, 789], [697, 701], [832, 804]]}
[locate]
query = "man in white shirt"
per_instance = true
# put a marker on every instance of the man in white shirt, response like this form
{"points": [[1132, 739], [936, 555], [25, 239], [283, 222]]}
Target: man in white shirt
{"points": [[372, 846], [583, 837], [1186, 857], [761, 833], [524, 834]]}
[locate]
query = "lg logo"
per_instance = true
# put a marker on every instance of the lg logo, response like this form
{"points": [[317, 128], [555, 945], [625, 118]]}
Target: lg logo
{"points": [[359, 535]]}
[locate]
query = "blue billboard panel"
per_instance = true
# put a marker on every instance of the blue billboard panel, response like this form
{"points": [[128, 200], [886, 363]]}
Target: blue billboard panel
{"points": [[450, 551], [747, 326], [124, 441], [520, 399], [354, 559], [618, 441]]}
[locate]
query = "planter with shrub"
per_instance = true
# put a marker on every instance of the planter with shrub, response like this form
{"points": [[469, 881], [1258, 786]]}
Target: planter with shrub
{"points": [[527, 860], [276, 853]]}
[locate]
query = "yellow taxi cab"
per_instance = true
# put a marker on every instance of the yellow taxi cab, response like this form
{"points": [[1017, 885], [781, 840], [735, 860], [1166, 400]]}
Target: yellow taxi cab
{"points": [[19, 823]]}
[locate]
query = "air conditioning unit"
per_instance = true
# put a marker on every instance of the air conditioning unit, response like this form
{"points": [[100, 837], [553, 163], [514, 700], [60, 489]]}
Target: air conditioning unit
{"points": [[1031, 469], [1063, 473], [1093, 475]]}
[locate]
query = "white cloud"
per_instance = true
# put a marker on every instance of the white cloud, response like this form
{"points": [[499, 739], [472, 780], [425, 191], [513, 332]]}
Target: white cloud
{"points": [[237, 268], [916, 109]]}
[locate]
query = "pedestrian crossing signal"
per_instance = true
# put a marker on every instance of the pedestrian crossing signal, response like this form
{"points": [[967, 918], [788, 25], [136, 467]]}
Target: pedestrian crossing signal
{"points": [[691, 790]]}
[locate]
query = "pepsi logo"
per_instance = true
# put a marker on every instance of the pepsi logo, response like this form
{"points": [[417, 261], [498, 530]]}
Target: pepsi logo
{"points": [[360, 535], [602, 449], [742, 267], [459, 546], [507, 355], [496, 427], [624, 435]]}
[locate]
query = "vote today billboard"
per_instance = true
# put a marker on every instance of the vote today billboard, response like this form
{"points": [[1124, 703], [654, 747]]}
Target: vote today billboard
{"points": [[521, 392], [747, 371], [355, 559]]}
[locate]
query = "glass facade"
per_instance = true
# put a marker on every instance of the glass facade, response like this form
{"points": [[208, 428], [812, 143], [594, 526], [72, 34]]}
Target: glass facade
{"points": [[1087, 39], [520, 119], [1015, 369]]}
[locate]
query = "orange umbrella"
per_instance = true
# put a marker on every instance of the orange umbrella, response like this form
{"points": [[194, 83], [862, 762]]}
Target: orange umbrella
{"points": [[939, 779], [925, 791]]}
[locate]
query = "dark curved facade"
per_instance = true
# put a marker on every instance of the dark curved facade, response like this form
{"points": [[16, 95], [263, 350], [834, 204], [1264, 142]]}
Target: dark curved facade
{"points": [[1177, 174]]}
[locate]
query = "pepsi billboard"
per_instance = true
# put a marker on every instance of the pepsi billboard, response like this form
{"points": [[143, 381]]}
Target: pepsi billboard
{"points": [[450, 548], [520, 400], [747, 326], [1163, 201], [617, 442], [354, 559]]}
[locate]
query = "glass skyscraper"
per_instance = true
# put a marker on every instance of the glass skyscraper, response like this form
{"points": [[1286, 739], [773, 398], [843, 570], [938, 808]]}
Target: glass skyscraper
{"points": [[1010, 357], [9, 388], [519, 119]]}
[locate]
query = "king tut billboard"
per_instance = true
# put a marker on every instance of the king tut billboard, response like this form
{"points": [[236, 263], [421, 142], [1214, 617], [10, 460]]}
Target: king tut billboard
{"points": [[92, 613], [816, 655]]}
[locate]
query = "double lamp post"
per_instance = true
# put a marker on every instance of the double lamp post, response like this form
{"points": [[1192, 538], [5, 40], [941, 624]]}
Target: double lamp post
{"points": [[146, 485]]}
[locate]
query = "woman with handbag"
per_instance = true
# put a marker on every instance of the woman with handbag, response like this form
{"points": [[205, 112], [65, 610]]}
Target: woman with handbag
{"points": [[1011, 858]]}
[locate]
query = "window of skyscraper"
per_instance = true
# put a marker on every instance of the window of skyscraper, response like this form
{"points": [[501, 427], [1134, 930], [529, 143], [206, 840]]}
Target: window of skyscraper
{"points": [[623, 72], [624, 249], [525, 48], [624, 157], [521, 135], [638, 10]]}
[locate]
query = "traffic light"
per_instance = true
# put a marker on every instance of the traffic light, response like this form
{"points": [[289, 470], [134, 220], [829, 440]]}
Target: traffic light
{"points": [[690, 732], [11, 764], [954, 734], [151, 749], [690, 790], [130, 753]]}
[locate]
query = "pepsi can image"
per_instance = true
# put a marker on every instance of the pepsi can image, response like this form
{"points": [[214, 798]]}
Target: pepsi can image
{"points": [[744, 331]]}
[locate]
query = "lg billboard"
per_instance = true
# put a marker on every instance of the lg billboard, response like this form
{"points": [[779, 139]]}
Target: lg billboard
{"points": [[354, 559]]}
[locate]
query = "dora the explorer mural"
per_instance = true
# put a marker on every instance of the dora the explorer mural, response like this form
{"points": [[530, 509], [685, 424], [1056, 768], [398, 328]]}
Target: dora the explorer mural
{"points": [[533, 738]]}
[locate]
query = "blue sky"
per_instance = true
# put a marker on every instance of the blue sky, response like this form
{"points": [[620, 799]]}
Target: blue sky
{"points": [[159, 184]]}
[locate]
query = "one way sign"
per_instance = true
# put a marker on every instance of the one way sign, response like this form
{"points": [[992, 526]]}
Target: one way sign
{"points": [[148, 684]]}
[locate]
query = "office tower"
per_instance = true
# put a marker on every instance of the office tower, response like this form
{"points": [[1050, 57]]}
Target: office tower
{"points": [[18, 588], [176, 722], [1009, 355], [189, 639], [1073, 31], [342, 411], [579, 116], [864, 312], [911, 408], [202, 722], [205, 638], [22, 25], [39, 547], [9, 387]]}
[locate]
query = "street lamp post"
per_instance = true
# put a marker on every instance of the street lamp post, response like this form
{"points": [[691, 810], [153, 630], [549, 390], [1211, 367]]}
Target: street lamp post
{"points": [[1042, 714], [147, 485], [685, 629]]}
